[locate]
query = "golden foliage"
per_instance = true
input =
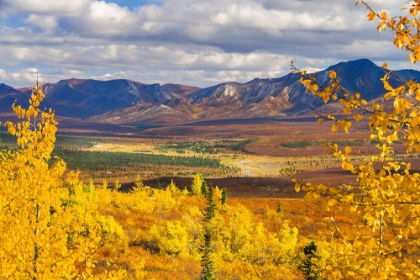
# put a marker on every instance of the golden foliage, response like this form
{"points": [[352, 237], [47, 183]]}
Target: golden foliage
{"points": [[41, 233], [386, 196], [196, 184]]}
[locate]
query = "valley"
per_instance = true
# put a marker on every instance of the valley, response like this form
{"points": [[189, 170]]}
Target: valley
{"points": [[144, 174], [250, 151], [211, 140]]}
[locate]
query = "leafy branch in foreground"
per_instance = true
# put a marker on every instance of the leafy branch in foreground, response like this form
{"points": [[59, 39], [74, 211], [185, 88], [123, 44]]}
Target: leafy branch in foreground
{"points": [[386, 197]]}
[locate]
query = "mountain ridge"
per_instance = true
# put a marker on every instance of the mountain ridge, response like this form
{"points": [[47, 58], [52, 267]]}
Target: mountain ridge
{"points": [[128, 102]]}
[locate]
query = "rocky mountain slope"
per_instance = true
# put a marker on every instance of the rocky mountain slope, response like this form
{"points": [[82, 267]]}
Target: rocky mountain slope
{"points": [[128, 102], [86, 98], [8, 95]]}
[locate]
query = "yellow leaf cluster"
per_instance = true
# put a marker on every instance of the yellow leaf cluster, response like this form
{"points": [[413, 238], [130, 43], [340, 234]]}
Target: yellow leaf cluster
{"points": [[49, 223], [385, 193]]}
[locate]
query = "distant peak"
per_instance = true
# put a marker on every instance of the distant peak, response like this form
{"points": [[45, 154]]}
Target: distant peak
{"points": [[362, 61], [72, 81], [4, 86], [358, 63]]}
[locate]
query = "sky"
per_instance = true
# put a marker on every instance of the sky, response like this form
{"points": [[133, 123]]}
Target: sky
{"points": [[191, 42]]}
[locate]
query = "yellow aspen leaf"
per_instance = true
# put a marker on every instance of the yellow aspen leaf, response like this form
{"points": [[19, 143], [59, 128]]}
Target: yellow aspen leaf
{"points": [[307, 82], [334, 127], [412, 58], [381, 26], [347, 110], [371, 16], [414, 122], [387, 86], [391, 23], [297, 187], [407, 104], [347, 149], [334, 148], [320, 121], [397, 105], [388, 95], [332, 74], [399, 42], [385, 65], [358, 117], [297, 184], [346, 125], [384, 17], [407, 168]]}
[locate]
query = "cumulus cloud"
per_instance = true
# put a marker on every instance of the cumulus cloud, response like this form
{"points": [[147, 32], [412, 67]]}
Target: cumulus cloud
{"points": [[48, 23], [20, 78], [193, 42], [49, 7], [256, 16]]}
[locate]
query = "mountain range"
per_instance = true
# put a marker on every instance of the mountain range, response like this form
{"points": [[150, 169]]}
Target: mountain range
{"points": [[126, 102]]}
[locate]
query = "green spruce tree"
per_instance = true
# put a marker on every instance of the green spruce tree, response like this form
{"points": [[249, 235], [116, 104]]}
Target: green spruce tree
{"points": [[309, 268], [224, 196], [279, 208], [204, 188], [206, 261]]}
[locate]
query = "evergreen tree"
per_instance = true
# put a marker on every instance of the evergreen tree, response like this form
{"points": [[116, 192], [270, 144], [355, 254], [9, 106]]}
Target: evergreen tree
{"points": [[211, 206], [206, 261], [204, 188], [279, 208], [309, 269], [224, 196]]}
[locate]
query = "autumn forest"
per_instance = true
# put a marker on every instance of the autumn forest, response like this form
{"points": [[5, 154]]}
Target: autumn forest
{"points": [[84, 208]]}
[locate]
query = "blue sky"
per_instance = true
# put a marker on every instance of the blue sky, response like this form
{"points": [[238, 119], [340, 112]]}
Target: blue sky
{"points": [[193, 42], [132, 4]]}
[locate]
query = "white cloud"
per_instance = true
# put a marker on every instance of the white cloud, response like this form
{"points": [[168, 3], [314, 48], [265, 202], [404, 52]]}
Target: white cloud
{"points": [[109, 15], [4, 75], [21, 78], [48, 23], [370, 48], [50, 7], [256, 16], [196, 42], [310, 69]]}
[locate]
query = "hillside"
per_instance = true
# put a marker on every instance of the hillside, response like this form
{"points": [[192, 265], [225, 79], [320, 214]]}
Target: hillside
{"points": [[126, 102]]}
